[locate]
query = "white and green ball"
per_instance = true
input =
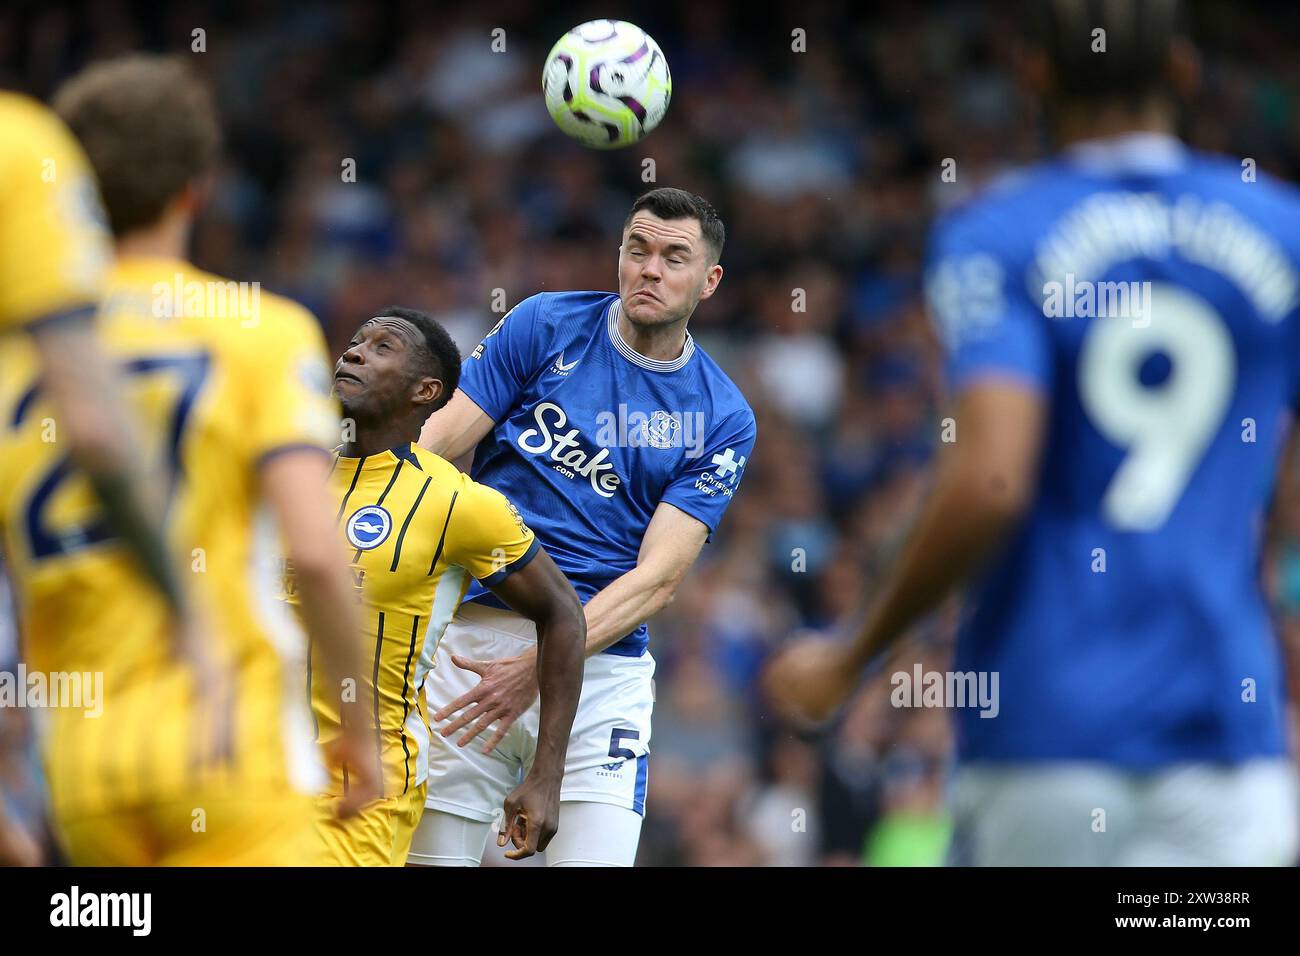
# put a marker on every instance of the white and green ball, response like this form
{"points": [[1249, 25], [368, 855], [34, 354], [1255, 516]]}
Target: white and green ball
{"points": [[606, 83]]}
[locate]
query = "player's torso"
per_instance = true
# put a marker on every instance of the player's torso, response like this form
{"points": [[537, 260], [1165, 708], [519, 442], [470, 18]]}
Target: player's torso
{"points": [[84, 605], [1167, 295], [593, 442], [391, 510]]}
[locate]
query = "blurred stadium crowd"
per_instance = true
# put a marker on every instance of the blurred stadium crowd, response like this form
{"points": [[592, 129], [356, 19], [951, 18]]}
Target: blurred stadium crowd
{"points": [[825, 166]]}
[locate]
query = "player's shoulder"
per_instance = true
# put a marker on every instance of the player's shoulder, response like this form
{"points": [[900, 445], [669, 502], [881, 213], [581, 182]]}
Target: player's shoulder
{"points": [[576, 309], [253, 318], [999, 208], [436, 467], [727, 401], [1244, 186], [448, 479], [477, 505], [32, 128]]}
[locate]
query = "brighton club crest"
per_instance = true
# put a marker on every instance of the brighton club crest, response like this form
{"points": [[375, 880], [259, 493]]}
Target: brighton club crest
{"points": [[369, 527]]}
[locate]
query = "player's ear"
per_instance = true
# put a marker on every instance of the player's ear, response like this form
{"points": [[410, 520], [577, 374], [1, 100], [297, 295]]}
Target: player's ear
{"points": [[428, 390], [711, 279]]}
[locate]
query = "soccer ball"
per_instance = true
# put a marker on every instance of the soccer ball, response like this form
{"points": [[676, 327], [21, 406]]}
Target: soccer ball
{"points": [[606, 84]]}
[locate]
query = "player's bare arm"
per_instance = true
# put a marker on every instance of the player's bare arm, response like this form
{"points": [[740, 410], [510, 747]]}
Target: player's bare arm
{"points": [[984, 485], [672, 542], [455, 429], [540, 592], [294, 484]]}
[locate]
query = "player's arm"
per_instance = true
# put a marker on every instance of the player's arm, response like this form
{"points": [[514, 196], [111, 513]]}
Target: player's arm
{"points": [[508, 687], [672, 542], [54, 252], [540, 592], [294, 483], [985, 483], [454, 430], [492, 378]]}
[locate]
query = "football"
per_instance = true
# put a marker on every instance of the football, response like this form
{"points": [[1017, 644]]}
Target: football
{"points": [[606, 83]]}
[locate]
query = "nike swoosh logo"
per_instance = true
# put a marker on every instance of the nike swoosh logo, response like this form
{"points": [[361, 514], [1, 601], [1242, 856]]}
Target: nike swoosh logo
{"points": [[560, 366]]}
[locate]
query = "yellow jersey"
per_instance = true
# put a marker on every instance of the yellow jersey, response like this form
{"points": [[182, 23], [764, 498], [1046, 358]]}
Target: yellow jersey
{"points": [[216, 390], [416, 530], [54, 246]]}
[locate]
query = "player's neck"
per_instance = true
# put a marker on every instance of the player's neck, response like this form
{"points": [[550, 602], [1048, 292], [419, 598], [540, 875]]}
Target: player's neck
{"points": [[165, 239], [380, 437], [1104, 121], [661, 343]]}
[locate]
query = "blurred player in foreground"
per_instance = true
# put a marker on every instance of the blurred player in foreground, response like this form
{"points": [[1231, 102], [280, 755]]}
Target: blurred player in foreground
{"points": [[1112, 467], [418, 530], [622, 444], [54, 254], [236, 405]]}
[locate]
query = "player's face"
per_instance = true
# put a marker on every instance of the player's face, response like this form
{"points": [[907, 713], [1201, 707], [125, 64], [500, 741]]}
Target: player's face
{"points": [[664, 269], [372, 377]]}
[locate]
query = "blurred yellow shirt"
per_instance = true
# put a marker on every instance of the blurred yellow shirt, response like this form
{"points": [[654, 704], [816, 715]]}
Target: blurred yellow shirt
{"points": [[222, 376]]}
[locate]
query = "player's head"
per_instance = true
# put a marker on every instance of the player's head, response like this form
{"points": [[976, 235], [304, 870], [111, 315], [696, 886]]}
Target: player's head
{"points": [[150, 128], [400, 363], [1087, 54], [668, 261]]}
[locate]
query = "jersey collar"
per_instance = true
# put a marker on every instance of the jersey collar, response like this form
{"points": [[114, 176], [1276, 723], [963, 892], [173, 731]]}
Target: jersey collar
{"points": [[403, 452], [1130, 152], [635, 357]]}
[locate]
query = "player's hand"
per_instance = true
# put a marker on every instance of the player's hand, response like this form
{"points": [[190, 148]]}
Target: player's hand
{"points": [[356, 750], [17, 847], [810, 678], [213, 687], [506, 689], [532, 815]]}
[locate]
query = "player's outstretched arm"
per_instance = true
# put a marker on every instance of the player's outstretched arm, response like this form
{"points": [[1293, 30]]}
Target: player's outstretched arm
{"points": [[541, 593], [294, 485], [454, 430], [986, 481], [508, 687]]}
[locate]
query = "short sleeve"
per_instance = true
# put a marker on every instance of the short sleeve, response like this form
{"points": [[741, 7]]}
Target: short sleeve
{"points": [[984, 317], [707, 482], [293, 406], [54, 245], [503, 362], [488, 536]]}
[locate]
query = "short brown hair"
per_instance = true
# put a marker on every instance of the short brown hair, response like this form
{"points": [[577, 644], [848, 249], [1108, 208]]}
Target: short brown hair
{"points": [[668, 202], [149, 126]]}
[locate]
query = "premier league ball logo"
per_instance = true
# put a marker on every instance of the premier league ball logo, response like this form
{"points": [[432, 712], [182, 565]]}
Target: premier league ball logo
{"points": [[369, 527]]}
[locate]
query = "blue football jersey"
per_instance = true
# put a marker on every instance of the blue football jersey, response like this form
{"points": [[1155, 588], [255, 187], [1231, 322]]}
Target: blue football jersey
{"points": [[1149, 293], [591, 436]]}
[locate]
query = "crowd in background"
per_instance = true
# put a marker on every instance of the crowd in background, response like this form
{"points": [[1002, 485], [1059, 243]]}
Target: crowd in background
{"points": [[826, 164]]}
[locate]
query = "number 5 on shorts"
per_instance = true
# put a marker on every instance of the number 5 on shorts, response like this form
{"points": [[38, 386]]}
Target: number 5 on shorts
{"points": [[616, 737]]}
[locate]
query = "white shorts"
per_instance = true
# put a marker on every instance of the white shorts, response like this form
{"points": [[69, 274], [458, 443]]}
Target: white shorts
{"points": [[1085, 814], [607, 760]]}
